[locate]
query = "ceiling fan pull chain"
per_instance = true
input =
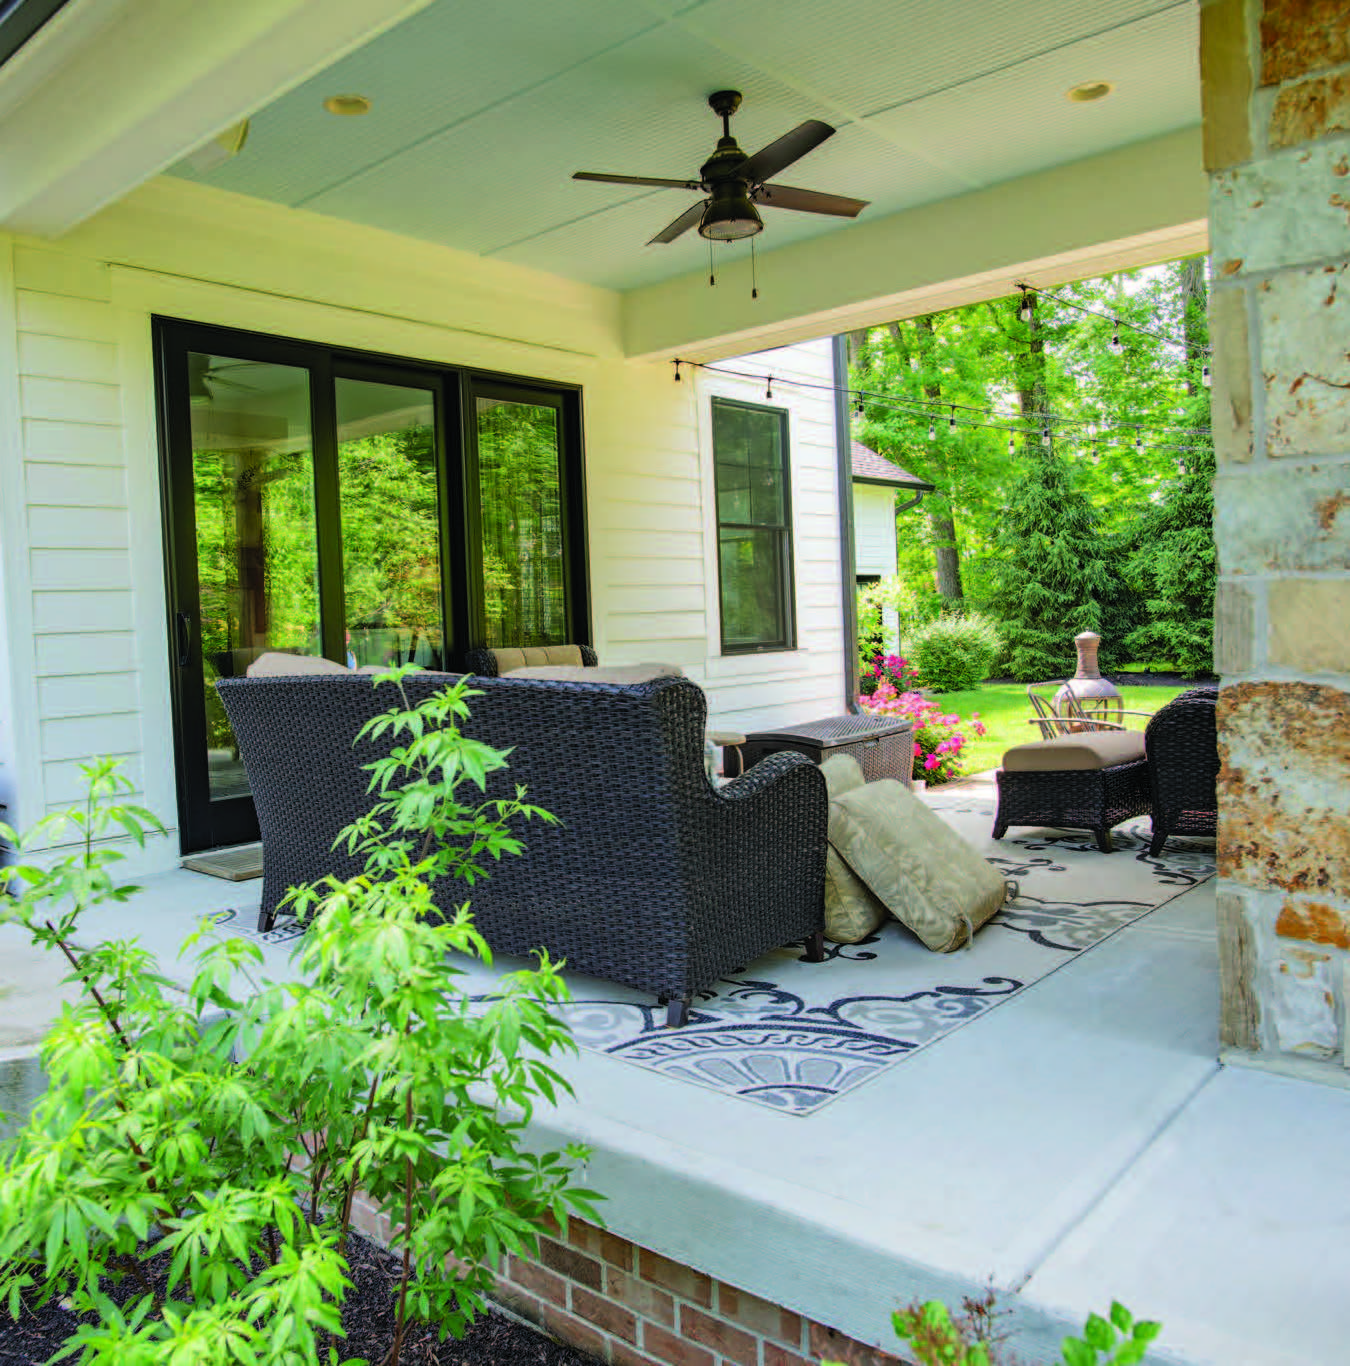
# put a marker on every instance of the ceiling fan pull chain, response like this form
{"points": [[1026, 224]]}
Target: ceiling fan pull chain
{"points": [[754, 282], [712, 279]]}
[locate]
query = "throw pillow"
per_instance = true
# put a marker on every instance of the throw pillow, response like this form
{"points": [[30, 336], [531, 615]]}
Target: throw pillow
{"points": [[852, 912], [929, 878], [277, 664], [614, 673]]}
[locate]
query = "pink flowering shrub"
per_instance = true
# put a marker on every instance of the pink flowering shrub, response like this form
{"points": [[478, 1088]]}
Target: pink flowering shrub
{"points": [[938, 735], [892, 669]]}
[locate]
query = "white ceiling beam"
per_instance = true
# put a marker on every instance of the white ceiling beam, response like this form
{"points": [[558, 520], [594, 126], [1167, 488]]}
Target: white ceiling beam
{"points": [[1131, 207], [112, 92]]}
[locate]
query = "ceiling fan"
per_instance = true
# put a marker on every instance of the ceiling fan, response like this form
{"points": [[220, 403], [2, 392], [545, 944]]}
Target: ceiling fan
{"points": [[734, 183]]}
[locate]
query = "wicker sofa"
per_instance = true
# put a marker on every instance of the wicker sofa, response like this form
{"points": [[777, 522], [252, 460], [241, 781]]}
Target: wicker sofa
{"points": [[653, 878]]}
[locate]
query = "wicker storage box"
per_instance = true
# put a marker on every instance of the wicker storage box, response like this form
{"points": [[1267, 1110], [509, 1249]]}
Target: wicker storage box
{"points": [[883, 745]]}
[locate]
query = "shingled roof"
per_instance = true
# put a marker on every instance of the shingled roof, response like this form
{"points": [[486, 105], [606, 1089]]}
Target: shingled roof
{"points": [[871, 468]]}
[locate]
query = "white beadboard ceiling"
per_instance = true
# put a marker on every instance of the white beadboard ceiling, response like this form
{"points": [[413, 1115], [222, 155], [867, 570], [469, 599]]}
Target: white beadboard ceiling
{"points": [[481, 114]]}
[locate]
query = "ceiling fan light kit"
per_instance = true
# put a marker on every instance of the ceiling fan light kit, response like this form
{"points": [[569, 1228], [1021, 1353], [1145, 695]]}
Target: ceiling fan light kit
{"points": [[734, 183]]}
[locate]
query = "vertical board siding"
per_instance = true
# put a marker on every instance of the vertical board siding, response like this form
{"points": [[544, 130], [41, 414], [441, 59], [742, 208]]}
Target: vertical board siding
{"points": [[75, 493]]}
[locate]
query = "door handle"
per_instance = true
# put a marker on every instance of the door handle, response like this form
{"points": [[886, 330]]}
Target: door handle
{"points": [[183, 622]]}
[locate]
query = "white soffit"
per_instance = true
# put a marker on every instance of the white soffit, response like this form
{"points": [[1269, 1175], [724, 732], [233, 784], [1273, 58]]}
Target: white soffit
{"points": [[481, 114]]}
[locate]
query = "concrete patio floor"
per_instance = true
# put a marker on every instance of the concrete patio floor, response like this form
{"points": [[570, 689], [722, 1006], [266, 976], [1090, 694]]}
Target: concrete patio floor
{"points": [[1078, 1144]]}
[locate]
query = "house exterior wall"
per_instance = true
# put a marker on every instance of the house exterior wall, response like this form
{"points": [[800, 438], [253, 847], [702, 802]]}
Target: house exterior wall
{"points": [[874, 529], [81, 534], [1276, 83]]}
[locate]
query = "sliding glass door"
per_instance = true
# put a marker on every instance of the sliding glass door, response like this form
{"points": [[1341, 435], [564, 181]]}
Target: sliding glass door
{"points": [[370, 511]]}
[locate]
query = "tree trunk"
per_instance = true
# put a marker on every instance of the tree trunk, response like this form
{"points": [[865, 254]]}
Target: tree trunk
{"points": [[946, 558], [1194, 289], [1032, 391]]}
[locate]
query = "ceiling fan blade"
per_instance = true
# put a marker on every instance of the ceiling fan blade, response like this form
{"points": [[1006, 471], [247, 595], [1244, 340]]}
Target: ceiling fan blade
{"points": [[638, 180], [809, 201], [681, 225], [768, 161]]}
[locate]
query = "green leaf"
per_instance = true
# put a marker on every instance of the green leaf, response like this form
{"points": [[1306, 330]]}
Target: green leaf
{"points": [[1077, 1353], [1098, 1333], [1121, 1317]]}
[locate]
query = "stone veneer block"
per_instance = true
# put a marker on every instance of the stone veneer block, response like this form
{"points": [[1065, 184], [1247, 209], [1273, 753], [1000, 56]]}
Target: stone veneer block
{"points": [[1231, 393], [1284, 210], [1305, 321], [1278, 520], [1311, 109], [1299, 36], [1310, 625], [1284, 787], [1314, 922], [1234, 628], [1303, 1004], [1225, 83], [1239, 1009]]}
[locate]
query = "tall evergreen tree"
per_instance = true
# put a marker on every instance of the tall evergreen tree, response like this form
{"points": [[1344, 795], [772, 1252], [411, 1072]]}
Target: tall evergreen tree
{"points": [[1052, 571]]}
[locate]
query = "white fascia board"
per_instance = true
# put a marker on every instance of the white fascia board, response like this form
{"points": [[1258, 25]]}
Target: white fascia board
{"points": [[1130, 207], [116, 92]]}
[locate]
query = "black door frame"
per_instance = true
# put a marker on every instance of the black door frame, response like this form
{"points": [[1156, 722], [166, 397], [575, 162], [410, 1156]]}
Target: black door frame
{"points": [[205, 824]]}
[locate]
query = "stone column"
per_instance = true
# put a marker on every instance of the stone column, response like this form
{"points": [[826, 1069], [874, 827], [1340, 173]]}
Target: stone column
{"points": [[1276, 84]]}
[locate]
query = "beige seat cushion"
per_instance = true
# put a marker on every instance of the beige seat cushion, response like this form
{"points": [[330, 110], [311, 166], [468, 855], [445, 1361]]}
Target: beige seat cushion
{"points": [[614, 673], [929, 878], [275, 664], [1088, 749], [511, 659], [852, 912]]}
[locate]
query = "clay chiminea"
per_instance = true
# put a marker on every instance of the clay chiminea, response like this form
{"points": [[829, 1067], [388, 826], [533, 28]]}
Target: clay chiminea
{"points": [[1097, 696]]}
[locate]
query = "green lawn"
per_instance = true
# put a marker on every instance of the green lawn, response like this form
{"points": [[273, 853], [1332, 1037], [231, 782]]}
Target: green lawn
{"points": [[1005, 711]]}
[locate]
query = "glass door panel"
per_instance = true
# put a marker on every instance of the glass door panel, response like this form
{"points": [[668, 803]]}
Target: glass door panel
{"points": [[520, 491], [387, 489], [256, 540]]}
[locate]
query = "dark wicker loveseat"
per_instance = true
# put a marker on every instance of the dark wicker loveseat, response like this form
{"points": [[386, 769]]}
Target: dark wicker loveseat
{"points": [[1183, 767], [653, 878]]}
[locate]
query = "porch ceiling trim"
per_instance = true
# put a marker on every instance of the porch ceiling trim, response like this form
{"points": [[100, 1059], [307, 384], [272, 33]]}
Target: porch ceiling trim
{"points": [[1131, 207], [110, 93]]}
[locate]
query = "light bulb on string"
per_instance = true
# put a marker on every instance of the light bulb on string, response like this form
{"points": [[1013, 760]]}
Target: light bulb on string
{"points": [[768, 388], [1115, 334], [1012, 448], [1205, 376], [1139, 441], [677, 372], [932, 430], [951, 421], [1024, 312], [858, 409]]}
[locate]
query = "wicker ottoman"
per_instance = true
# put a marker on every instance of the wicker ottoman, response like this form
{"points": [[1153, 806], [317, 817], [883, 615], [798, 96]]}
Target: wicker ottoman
{"points": [[883, 745], [1089, 781]]}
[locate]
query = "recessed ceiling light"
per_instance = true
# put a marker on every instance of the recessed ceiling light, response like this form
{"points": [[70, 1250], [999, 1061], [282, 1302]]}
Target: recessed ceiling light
{"points": [[347, 104], [1089, 91]]}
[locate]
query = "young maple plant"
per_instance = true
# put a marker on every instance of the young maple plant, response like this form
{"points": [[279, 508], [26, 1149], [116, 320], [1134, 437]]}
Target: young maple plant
{"points": [[205, 1148]]}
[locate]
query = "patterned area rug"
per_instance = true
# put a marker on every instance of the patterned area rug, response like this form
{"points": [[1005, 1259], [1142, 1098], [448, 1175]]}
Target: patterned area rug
{"points": [[793, 1035]]}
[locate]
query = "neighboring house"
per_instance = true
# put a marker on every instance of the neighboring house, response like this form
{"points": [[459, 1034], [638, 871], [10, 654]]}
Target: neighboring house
{"points": [[877, 482], [206, 341]]}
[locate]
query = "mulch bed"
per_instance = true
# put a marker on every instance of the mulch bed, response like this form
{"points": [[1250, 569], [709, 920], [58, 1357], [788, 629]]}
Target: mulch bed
{"points": [[368, 1315], [1141, 679]]}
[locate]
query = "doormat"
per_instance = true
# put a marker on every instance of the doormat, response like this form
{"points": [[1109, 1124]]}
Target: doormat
{"points": [[238, 864], [793, 1035]]}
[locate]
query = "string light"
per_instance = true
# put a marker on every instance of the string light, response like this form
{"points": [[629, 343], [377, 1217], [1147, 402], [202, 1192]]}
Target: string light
{"points": [[922, 408], [858, 407], [951, 421], [677, 372], [1115, 334], [1024, 312], [1012, 449], [1188, 346], [1205, 376], [1045, 434], [932, 430], [768, 388]]}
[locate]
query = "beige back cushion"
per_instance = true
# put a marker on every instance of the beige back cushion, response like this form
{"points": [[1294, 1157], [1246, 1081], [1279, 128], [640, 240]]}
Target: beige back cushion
{"points": [[852, 911], [929, 878], [508, 660], [614, 673], [275, 664], [1089, 749]]}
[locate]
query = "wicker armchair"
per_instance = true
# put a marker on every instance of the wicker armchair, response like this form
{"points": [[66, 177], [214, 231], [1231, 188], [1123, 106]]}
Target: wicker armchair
{"points": [[1183, 764], [653, 878]]}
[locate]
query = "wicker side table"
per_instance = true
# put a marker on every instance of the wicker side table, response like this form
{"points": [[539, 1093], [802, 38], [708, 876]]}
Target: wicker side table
{"points": [[883, 745]]}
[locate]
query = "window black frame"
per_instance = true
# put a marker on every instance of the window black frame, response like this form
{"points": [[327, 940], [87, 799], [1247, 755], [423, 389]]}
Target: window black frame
{"points": [[454, 390], [787, 579]]}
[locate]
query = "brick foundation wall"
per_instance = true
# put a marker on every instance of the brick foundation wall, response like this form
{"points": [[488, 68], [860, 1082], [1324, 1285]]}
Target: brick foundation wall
{"points": [[630, 1306]]}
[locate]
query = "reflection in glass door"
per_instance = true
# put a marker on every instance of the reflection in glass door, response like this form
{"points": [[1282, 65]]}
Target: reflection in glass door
{"points": [[391, 561], [256, 542]]}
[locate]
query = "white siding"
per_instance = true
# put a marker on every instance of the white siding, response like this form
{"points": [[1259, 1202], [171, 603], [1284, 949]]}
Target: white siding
{"points": [[81, 526], [874, 529]]}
